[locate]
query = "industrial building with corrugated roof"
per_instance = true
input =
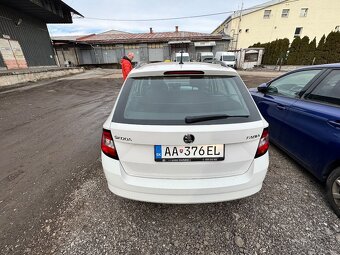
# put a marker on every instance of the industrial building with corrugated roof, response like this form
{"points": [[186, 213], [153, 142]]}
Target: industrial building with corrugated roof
{"points": [[109, 47]]}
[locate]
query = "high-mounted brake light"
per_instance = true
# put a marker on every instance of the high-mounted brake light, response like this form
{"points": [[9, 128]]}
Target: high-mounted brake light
{"points": [[108, 146], [183, 73], [263, 144]]}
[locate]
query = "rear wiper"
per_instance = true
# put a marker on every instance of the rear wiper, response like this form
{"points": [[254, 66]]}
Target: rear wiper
{"points": [[193, 119]]}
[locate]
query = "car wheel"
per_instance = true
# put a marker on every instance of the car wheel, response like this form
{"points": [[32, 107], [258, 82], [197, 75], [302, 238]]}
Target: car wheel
{"points": [[333, 190]]}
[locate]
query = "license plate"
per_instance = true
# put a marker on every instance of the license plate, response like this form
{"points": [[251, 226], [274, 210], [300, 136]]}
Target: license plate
{"points": [[189, 153]]}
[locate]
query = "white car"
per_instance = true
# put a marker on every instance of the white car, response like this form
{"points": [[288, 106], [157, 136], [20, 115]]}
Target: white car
{"points": [[206, 57], [184, 56], [184, 133], [226, 57]]}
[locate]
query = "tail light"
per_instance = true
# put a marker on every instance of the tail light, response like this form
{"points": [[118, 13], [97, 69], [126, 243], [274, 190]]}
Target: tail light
{"points": [[263, 144], [108, 146], [183, 72]]}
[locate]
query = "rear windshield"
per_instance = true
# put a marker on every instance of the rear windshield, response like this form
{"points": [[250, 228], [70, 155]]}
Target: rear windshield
{"points": [[169, 100], [228, 58]]}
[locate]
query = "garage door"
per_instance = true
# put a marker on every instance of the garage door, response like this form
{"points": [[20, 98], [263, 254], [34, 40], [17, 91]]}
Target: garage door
{"points": [[109, 56], [86, 58], [156, 55]]}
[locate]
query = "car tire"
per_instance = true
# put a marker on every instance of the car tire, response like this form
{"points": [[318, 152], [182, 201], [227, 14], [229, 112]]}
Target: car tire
{"points": [[333, 187]]}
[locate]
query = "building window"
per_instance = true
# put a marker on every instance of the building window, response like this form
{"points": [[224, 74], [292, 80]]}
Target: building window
{"points": [[251, 57], [247, 30], [285, 13], [266, 14], [303, 12], [298, 32]]}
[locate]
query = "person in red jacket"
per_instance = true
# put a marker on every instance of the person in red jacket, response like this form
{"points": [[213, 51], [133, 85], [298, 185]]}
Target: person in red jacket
{"points": [[126, 63]]}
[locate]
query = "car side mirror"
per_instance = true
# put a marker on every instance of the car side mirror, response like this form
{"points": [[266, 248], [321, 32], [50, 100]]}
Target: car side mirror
{"points": [[263, 88]]}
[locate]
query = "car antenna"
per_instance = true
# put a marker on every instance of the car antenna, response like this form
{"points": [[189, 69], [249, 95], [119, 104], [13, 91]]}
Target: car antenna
{"points": [[181, 62]]}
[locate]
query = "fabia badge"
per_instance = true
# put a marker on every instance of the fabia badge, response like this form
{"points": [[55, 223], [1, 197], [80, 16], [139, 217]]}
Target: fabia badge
{"points": [[189, 138]]}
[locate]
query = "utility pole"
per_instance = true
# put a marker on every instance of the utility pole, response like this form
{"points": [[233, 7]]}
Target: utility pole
{"points": [[239, 25]]}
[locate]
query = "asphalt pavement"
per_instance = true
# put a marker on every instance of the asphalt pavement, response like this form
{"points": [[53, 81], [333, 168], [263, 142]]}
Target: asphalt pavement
{"points": [[54, 198]]}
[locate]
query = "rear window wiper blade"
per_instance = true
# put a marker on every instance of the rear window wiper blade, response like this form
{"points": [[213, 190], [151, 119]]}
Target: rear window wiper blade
{"points": [[193, 119]]}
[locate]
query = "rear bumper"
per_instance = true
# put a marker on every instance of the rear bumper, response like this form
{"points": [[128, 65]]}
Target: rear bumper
{"points": [[185, 190]]}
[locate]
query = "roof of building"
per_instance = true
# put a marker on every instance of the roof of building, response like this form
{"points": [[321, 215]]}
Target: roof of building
{"points": [[251, 10], [258, 7], [71, 38], [150, 37], [54, 11], [113, 31]]}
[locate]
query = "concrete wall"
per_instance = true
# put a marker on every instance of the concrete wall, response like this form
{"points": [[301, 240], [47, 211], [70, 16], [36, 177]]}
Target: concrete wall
{"points": [[12, 78], [67, 54], [322, 18], [245, 61]]}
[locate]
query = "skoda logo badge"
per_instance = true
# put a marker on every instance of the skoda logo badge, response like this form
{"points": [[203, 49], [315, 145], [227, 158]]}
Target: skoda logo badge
{"points": [[189, 138]]}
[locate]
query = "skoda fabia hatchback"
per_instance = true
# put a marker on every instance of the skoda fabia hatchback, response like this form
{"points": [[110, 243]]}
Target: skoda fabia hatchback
{"points": [[184, 133]]}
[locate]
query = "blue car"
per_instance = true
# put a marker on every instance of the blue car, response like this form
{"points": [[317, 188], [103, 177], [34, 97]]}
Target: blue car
{"points": [[302, 108]]}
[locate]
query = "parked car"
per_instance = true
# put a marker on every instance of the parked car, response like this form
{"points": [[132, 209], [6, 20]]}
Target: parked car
{"points": [[208, 60], [185, 57], [303, 111], [226, 57], [206, 57], [187, 133]]}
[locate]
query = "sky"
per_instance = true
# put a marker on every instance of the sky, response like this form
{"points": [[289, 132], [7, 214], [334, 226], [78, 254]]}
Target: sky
{"points": [[147, 9]]}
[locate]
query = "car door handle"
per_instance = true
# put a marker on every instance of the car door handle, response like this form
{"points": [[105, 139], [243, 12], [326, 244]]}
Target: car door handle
{"points": [[334, 123], [281, 107]]}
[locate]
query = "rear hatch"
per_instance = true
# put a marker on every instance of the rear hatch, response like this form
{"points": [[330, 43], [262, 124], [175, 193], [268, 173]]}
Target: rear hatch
{"points": [[186, 127]]}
